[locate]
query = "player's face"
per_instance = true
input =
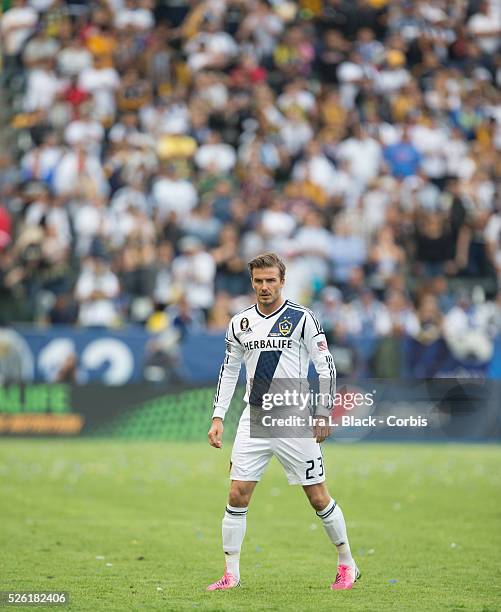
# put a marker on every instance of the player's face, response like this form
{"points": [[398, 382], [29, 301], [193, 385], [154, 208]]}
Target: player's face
{"points": [[267, 284]]}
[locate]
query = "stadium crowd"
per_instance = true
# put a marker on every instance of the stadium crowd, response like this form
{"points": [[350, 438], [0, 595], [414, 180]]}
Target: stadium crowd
{"points": [[156, 148]]}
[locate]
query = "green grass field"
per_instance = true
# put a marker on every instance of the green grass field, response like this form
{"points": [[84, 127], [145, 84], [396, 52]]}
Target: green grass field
{"points": [[136, 526]]}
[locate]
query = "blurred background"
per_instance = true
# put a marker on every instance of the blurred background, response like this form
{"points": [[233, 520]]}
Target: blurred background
{"points": [[150, 149]]}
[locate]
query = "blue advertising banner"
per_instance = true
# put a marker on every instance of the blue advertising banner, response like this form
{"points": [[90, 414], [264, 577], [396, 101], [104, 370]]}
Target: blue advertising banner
{"points": [[202, 355], [84, 355], [132, 355]]}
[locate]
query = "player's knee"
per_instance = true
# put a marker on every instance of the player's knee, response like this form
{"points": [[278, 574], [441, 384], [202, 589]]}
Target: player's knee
{"points": [[319, 499], [239, 495], [319, 502]]}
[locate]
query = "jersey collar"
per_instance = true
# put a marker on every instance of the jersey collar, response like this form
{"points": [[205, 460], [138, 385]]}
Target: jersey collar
{"points": [[273, 313]]}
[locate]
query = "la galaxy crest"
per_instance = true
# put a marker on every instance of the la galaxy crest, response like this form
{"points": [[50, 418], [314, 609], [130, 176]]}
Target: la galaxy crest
{"points": [[286, 323], [285, 326]]}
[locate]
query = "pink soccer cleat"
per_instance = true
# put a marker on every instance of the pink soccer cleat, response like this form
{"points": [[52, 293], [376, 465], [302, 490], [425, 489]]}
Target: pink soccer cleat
{"points": [[346, 577], [228, 581]]}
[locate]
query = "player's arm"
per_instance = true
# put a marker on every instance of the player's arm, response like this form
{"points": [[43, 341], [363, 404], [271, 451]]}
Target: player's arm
{"points": [[228, 377], [316, 344]]}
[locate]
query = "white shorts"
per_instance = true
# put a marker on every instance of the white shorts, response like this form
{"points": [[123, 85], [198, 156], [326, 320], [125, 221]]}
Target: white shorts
{"points": [[301, 458]]}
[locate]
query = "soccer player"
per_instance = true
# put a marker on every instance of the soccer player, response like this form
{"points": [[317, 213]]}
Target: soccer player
{"points": [[250, 335]]}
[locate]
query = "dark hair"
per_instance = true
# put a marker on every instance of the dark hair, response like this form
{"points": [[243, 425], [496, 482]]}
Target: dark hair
{"points": [[267, 260]]}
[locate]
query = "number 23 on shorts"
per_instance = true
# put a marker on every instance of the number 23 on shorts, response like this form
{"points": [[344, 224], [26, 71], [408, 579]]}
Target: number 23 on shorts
{"points": [[312, 463]]}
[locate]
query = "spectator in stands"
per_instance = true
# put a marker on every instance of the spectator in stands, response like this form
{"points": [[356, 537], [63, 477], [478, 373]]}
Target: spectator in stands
{"points": [[194, 270], [386, 257], [231, 269], [434, 244], [185, 318], [40, 163], [439, 288], [85, 131], [492, 235], [485, 25], [17, 24], [347, 251], [218, 317], [102, 82], [172, 193], [215, 156], [41, 48], [96, 290], [368, 317], [429, 319], [64, 311], [79, 173], [467, 331], [331, 311], [73, 58], [362, 153], [5, 228], [489, 316], [402, 157], [403, 319]]}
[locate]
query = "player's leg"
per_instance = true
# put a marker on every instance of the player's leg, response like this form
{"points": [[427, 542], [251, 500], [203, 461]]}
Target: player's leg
{"points": [[249, 459], [334, 524], [233, 529], [235, 523], [303, 463], [332, 518]]}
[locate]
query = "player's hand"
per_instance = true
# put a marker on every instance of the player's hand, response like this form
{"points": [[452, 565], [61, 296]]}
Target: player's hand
{"points": [[216, 433], [321, 429]]}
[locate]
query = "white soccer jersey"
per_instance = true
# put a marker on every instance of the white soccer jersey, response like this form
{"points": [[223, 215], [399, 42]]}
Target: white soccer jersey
{"points": [[275, 346]]}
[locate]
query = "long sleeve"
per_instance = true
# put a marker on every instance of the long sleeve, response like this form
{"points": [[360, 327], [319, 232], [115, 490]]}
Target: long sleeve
{"points": [[228, 374], [316, 345]]}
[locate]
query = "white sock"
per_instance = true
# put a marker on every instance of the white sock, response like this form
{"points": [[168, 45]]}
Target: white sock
{"points": [[333, 521], [234, 524]]}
